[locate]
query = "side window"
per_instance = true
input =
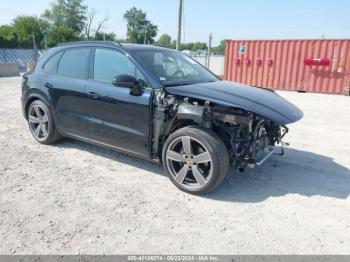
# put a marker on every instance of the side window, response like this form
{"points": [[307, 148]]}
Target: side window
{"points": [[109, 63], [74, 63], [51, 65]]}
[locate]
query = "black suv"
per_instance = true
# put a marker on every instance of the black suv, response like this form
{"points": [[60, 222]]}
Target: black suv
{"points": [[155, 103]]}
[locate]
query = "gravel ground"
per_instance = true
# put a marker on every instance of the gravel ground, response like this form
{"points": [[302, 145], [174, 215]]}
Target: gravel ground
{"points": [[75, 198]]}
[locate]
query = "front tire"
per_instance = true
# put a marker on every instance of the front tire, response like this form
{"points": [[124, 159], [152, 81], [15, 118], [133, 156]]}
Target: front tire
{"points": [[41, 123], [196, 159]]}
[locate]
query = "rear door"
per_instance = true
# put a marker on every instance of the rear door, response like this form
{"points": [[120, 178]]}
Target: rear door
{"points": [[67, 90], [117, 118]]}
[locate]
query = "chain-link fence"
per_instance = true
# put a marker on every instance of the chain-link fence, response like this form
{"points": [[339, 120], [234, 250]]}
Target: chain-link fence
{"points": [[19, 56]]}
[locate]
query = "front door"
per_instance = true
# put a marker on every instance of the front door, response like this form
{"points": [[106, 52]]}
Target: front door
{"points": [[117, 118]]}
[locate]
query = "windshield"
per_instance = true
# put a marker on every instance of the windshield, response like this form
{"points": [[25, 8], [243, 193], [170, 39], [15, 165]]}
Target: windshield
{"points": [[173, 68]]}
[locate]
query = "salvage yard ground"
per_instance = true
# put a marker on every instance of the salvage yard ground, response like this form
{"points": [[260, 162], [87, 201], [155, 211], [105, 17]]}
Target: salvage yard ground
{"points": [[75, 198]]}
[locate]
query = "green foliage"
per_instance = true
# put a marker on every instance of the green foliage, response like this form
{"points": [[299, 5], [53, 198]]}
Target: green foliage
{"points": [[68, 20], [220, 49], [61, 34], [106, 37], [8, 38], [139, 29], [67, 13], [20, 32], [165, 41], [65, 21], [199, 46], [26, 26], [194, 46]]}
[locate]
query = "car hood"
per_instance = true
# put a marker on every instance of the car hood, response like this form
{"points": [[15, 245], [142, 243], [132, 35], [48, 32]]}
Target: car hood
{"points": [[263, 102]]}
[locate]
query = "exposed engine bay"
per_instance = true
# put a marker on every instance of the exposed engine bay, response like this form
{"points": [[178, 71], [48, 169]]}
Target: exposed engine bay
{"points": [[246, 135]]}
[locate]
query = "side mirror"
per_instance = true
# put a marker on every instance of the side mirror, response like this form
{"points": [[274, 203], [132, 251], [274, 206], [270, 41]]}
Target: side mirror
{"points": [[128, 81]]}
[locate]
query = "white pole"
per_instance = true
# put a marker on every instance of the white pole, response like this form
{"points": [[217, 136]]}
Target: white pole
{"points": [[179, 24]]}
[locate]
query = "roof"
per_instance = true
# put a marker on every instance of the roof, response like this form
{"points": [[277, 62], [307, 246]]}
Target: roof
{"points": [[136, 47], [126, 47]]}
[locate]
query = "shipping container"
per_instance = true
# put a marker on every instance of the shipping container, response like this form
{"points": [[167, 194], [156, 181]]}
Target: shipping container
{"points": [[321, 66]]}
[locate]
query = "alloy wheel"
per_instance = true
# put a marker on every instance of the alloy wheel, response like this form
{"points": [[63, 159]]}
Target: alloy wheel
{"points": [[189, 162], [38, 122]]}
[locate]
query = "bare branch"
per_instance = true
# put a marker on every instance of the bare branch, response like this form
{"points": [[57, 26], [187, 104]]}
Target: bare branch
{"points": [[91, 14], [90, 27], [101, 23]]}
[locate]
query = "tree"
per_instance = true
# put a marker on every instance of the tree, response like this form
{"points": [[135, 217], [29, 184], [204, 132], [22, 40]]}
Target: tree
{"points": [[8, 38], [89, 27], [67, 13], [27, 26], [220, 49], [99, 36], [20, 32], [164, 41], [61, 34], [194, 46], [139, 29], [67, 19], [199, 46]]}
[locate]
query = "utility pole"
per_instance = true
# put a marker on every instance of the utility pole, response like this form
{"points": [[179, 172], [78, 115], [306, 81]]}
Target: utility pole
{"points": [[209, 50], [34, 45], [45, 41], [145, 35], [179, 25], [34, 48]]}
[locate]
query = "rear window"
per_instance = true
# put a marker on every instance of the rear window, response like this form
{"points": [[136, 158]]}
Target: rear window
{"points": [[74, 63], [51, 65]]}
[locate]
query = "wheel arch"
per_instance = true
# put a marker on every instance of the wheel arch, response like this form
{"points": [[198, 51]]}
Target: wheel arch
{"points": [[33, 97], [171, 127], [180, 123], [212, 143]]}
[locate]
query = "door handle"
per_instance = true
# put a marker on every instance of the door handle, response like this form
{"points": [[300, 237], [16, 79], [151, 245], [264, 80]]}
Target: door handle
{"points": [[48, 85], [93, 95]]}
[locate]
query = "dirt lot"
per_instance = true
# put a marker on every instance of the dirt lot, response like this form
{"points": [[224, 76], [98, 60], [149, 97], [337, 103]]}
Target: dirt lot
{"points": [[75, 198]]}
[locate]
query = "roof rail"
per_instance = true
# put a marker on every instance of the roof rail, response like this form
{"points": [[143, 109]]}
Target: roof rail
{"points": [[91, 42], [118, 43]]}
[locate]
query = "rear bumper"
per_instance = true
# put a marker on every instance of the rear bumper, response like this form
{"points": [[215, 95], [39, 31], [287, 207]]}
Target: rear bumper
{"points": [[23, 103]]}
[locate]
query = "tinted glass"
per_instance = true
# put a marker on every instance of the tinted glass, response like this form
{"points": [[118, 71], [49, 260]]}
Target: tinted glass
{"points": [[109, 63], [173, 68], [74, 63], [51, 65]]}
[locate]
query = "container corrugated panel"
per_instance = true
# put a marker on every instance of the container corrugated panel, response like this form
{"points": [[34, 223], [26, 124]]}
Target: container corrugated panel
{"points": [[279, 64]]}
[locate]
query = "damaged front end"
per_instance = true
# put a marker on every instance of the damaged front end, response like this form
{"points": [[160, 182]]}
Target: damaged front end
{"points": [[250, 139]]}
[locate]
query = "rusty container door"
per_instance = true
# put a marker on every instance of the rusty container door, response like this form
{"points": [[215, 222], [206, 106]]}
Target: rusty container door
{"points": [[298, 65]]}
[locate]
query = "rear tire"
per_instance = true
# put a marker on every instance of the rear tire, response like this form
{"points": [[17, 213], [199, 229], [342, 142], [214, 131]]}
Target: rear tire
{"points": [[41, 124], [196, 159]]}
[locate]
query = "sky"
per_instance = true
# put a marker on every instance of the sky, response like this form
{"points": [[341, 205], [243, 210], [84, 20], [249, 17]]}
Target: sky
{"points": [[226, 19]]}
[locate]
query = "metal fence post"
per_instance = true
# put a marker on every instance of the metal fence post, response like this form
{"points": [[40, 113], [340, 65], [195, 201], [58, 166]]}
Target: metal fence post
{"points": [[34, 48], [207, 62]]}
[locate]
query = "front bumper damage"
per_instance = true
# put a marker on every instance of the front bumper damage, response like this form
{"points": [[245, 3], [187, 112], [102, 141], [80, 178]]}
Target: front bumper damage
{"points": [[266, 154]]}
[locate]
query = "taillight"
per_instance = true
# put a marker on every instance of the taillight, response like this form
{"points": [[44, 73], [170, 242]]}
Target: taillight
{"points": [[24, 82]]}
